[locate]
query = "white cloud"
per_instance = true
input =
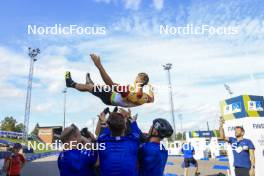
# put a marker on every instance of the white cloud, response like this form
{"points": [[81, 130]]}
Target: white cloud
{"points": [[195, 62], [132, 4], [10, 91], [200, 66], [12, 63], [106, 1], [158, 4], [129, 4], [47, 107]]}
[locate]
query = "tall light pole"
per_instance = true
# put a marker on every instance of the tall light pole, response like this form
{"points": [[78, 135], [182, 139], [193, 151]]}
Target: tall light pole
{"points": [[208, 128], [64, 106], [228, 89], [180, 118], [167, 67], [32, 54]]}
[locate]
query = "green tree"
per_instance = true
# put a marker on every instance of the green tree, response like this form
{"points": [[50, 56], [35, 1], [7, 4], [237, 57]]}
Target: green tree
{"points": [[171, 139], [179, 136], [20, 127], [8, 124], [35, 130]]}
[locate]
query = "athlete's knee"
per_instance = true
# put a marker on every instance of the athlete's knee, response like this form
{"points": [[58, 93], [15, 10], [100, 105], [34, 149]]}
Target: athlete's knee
{"points": [[89, 87]]}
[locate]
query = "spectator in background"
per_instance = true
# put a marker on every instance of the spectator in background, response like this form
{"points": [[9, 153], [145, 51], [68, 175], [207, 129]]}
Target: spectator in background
{"points": [[15, 162], [153, 155], [188, 153], [74, 161], [243, 151]]}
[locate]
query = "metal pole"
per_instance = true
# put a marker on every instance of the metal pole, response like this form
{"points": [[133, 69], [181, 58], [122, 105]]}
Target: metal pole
{"points": [[180, 117], [208, 128], [228, 89], [168, 67], [32, 54], [64, 107]]}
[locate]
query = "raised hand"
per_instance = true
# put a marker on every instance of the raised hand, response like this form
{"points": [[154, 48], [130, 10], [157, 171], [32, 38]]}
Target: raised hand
{"points": [[222, 121], [102, 117], [96, 59], [126, 114]]}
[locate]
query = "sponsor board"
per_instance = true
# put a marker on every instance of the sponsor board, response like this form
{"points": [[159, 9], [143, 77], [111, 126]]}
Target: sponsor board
{"points": [[254, 130]]}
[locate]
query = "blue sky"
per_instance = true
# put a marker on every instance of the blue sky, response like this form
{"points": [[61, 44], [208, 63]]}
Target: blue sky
{"points": [[132, 44]]}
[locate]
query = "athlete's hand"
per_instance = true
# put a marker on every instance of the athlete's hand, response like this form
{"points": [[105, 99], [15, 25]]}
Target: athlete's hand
{"points": [[126, 114], [222, 121], [96, 59], [102, 117], [252, 172], [134, 118]]}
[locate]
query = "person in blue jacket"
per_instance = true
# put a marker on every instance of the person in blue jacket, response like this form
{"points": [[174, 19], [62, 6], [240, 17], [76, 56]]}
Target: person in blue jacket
{"points": [[74, 161], [243, 151], [152, 154], [188, 155], [121, 150]]}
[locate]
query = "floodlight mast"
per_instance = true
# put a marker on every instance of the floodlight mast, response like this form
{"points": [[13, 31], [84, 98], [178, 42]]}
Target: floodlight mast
{"points": [[32, 54], [167, 67], [64, 106], [228, 89]]}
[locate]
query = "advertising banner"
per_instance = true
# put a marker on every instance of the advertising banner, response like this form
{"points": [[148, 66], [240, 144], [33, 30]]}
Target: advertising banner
{"points": [[253, 125]]}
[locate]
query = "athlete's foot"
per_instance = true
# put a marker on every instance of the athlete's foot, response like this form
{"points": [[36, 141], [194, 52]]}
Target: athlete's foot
{"points": [[68, 79], [88, 79]]}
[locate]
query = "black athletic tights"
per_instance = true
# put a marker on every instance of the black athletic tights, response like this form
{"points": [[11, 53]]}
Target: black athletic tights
{"points": [[241, 171]]}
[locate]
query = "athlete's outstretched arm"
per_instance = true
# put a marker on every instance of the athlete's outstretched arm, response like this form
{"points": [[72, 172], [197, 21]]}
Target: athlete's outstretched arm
{"points": [[97, 61], [221, 130], [101, 123]]}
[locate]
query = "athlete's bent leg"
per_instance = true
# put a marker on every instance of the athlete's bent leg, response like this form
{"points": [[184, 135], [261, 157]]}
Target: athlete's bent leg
{"points": [[196, 171], [96, 90], [88, 79], [186, 163], [81, 87], [84, 87], [195, 163], [186, 171]]}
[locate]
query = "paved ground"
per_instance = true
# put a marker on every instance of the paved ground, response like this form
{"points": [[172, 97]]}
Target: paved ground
{"points": [[42, 167], [174, 166], [48, 167]]}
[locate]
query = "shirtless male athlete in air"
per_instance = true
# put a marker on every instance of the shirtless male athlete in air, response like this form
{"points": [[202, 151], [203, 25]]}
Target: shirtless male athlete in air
{"points": [[119, 95]]}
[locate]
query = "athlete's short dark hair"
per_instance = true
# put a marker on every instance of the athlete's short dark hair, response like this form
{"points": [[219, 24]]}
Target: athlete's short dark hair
{"points": [[145, 78], [241, 128], [116, 123]]}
